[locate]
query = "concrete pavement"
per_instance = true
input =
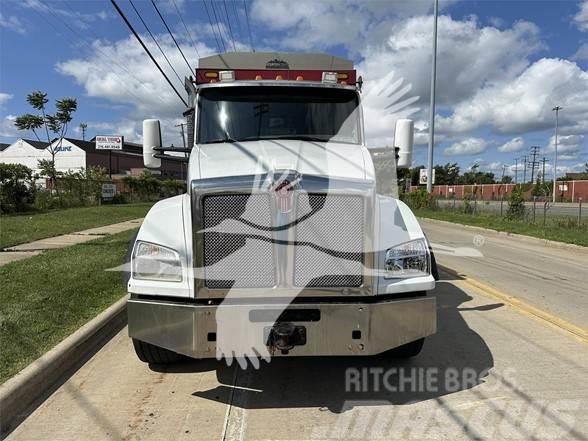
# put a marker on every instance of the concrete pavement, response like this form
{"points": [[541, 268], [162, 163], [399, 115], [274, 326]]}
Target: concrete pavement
{"points": [[499, 375], [552, 278], [25, 250]]}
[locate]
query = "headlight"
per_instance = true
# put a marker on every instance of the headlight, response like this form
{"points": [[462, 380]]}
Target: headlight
{"points": [[154, 262], [410, 259]]}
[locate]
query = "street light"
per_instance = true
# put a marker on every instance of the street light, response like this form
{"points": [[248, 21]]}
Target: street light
{"points": [[556, 109], [432, 110]]}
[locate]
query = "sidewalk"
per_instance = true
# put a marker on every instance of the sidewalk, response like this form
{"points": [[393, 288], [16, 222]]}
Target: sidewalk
{"points": [[25, 250]]}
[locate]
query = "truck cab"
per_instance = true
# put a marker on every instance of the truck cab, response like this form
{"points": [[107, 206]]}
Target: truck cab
{"points": [[281, 245]]}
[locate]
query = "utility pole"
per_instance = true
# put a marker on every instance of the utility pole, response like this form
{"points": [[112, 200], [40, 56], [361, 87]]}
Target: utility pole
{"points": [[544, 160], [516, 169], [524, 158], [556, 109], [83, 127], [432, 109], [182, 129], [534, 162]]}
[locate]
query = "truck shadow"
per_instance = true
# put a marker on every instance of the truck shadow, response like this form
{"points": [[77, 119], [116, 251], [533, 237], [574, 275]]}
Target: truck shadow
{"points": [[454, 359]]}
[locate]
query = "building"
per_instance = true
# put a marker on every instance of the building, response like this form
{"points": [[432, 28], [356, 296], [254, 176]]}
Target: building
{"points": [[76, 154]]}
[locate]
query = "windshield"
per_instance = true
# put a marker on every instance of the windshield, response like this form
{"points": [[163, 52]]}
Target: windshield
{"points": [[250, 113]]}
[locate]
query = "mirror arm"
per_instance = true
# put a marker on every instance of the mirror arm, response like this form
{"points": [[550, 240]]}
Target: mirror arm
{"points": [[172, 149], [172, 158]]}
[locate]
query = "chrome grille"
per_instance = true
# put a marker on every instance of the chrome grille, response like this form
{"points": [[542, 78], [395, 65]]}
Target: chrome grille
{"points": [[231, 221], [330, 241]]}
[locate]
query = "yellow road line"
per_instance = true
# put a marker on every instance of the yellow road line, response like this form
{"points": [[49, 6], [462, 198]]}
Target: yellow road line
{"points": [[519, 305]]}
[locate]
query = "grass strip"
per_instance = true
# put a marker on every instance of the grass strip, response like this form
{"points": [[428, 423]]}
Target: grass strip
{"points": [[47, 297], [21, 228], [557, 228]]}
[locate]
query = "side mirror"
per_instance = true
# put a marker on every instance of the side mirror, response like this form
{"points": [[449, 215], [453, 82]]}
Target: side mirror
{"points": [[151, 141], [403, 142]]}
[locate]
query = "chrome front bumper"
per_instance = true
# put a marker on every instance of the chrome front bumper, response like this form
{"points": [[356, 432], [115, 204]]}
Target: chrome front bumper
{"points": [[189, 328]]}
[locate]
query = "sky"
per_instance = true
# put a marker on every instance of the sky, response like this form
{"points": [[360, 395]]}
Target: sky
{"points": [[502, 66]]}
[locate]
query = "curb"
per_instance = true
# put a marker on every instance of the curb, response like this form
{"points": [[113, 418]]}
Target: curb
{"points": [[506, 234], [23, 393]]}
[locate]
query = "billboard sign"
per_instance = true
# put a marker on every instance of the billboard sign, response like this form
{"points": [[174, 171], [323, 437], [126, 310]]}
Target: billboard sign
{"points": [[423, 176], [109, 142]]}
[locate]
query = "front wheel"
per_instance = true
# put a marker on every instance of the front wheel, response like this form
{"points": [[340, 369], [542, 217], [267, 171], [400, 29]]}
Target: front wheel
{"points": [[408, 350], [152, 354]]}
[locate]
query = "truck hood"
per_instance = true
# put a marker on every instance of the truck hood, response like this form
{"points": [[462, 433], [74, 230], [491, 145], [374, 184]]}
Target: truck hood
{"points": [[263, 156]]}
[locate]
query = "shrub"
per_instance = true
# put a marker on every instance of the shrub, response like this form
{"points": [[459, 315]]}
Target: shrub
{"points": [[419, 199], [516, 205], [17, 188], [468, 207]]}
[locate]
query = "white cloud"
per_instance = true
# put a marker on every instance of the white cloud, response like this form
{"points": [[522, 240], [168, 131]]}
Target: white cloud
{"points": [[13, 23], [569, 147], [460, 73], [514, 145], [329, 23], [581, 18], [525, 103], [469, 146], [4, 97], [581, 53], [7, 128], [78, 19], [122, 73]]}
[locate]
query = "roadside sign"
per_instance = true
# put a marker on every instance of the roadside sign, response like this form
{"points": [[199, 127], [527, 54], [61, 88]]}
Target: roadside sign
{"points": [[563, 187], [423, 177], [108, 191], [109, 142]]}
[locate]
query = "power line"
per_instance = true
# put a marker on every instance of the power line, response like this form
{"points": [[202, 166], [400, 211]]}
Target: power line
{"points": [[130, 26], [237, 19], [217, 25], [211, 25], [186, 28], [248, 25], [171, 35], [229, 24], [155, 41]]}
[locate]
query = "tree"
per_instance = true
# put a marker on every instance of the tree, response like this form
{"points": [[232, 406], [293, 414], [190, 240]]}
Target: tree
{"points": [[447, 174], [56, 123], [506, 180]]}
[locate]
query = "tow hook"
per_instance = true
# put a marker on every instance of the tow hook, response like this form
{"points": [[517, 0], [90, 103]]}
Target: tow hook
{"points": [[283, 336]]}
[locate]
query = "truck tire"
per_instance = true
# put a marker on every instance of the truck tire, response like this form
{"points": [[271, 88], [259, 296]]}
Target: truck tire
{"points": [[408, 350], [151, 354]]}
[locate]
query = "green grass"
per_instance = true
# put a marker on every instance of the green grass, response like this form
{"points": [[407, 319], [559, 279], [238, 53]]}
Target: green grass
{"points": [[560, 228], [17, 229], [47, 297]]}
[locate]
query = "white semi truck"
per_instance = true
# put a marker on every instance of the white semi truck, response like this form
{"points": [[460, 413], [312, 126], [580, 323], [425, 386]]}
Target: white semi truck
{"points": [[281, 245]]}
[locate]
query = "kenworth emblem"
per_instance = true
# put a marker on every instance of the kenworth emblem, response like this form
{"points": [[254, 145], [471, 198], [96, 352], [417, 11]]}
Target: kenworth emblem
{"points": [[284, 195]]}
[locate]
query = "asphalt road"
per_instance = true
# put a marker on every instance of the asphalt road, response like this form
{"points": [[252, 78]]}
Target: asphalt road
{"points": [[552, 278], [490, 372]]}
